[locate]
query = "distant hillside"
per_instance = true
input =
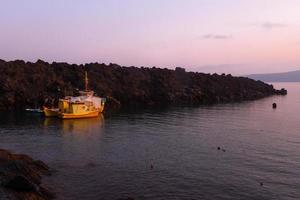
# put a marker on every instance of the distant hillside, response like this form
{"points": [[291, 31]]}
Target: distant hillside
{"points": [[293, 76]]}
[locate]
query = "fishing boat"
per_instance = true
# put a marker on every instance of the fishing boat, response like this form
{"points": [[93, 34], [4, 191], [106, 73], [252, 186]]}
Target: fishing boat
{"points": [[85, 105]]}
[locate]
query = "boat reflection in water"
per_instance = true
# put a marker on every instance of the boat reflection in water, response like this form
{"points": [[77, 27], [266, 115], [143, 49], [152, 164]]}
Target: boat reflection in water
{"points": [[76, 126]]}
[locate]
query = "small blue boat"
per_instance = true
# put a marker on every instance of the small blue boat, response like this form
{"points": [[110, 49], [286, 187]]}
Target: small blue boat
{"points": [[34, 110]]}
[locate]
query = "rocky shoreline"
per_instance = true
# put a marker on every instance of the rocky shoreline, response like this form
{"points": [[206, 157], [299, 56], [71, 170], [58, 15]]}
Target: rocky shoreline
{"points": [[20, 177], [28, 85]]}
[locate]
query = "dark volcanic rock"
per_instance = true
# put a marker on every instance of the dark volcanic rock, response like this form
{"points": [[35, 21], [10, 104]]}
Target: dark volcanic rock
{"points": [[20, 183], [30, 84], [20, 177]]}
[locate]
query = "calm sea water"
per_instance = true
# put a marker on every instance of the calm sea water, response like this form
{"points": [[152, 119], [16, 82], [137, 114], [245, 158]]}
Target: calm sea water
{"points": [[111, 157]]}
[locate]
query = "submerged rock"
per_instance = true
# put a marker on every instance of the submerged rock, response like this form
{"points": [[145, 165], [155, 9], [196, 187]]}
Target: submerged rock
{"points": [[20, 177], [126, 198]]}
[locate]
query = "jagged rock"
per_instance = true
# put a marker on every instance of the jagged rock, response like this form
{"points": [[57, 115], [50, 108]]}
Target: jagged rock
{"points": [[20, 177], [20, 183], [282, 91]]}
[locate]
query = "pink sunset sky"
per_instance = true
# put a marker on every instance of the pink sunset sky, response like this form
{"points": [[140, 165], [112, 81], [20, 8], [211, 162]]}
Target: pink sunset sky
{"points": [[231, 36]]}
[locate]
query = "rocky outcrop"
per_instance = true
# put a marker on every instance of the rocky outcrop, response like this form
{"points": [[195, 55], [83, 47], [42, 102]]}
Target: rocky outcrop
{"points": [[26, 84], [20, 177]]}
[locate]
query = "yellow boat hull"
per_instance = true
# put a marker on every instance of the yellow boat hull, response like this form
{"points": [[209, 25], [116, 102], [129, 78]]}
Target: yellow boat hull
{"points": [[48, 112], [79, 116]]}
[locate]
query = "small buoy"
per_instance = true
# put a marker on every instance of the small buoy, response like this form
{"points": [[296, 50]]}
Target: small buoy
{"points": [[219, 148], [261, 184], [274, 105]]}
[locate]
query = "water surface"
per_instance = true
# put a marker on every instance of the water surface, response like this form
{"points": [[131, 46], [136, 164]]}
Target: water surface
{"points": [[111, 157]]}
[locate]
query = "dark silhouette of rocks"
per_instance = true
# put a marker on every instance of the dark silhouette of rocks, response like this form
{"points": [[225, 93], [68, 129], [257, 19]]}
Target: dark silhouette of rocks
{"points": [[20, 177], [27, 84], [282, 91], [20, 183]]}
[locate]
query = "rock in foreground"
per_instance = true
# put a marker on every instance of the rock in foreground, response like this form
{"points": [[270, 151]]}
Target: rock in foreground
{"points": [[20, 177]]}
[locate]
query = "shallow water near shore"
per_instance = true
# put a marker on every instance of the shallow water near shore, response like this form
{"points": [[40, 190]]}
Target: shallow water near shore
{"points": [[111, 157]]}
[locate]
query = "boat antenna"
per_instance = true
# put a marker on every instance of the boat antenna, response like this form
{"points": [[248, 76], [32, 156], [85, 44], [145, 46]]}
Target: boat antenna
{"points": [[86, 81]]}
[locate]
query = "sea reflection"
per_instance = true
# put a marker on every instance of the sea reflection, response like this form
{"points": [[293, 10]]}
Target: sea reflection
{"points": [[78, 126], [111, 159]]}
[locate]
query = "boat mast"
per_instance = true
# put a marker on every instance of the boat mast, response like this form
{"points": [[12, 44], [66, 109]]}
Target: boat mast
{"points": [[86, 81]]}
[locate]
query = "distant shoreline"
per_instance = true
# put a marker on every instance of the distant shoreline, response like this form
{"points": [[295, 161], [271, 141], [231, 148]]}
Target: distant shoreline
{"points": [[292, 76]]}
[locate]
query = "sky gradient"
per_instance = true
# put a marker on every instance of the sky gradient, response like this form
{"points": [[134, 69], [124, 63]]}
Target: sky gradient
{"points": [[231, 36]]}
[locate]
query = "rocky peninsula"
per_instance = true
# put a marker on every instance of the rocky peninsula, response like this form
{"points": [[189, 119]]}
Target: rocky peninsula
{"points": [[26, 84]]}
